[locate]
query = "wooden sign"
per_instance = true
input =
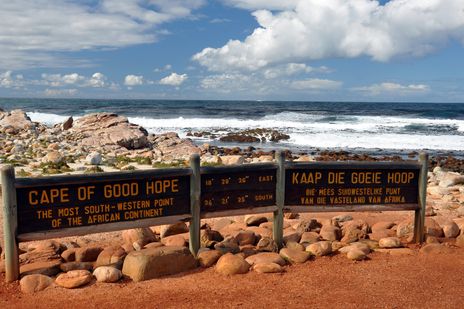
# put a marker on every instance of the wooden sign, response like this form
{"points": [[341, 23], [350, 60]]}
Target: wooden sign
{"points": [[229, 188], [341, 185], [49, 204]]}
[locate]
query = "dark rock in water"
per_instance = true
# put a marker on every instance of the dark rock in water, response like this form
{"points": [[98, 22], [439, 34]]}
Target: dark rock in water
{"points": [[239, 138]]}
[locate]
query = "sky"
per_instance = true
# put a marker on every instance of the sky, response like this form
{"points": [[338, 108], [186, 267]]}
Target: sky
{"points": [[311, 50]]}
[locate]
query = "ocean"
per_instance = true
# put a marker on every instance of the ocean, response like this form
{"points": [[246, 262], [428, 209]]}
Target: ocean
{"points": [[359, 127]]}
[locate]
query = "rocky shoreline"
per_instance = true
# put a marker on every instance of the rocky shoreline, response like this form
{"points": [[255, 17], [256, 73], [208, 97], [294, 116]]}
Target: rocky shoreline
{"points": [[236, 245], [108, 142]]}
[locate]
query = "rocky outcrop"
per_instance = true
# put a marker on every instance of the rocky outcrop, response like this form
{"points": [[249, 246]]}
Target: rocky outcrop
{"points": [[103, 129], [15, 121], [172, 147]]}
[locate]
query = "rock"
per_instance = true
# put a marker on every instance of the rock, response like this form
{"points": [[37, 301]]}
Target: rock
{"points": [[43, 268], [450, 179], [247, 251], [102, 129], [342, 218], [155, 262], [141, 236], [173, 229], [69, 255], [353, 235], [379, 234], [329, 232], [405, 228], [73, 279], [111, 256], [267, 268], [358, 246], [208, 238], [381, 226], [267, 244], [260, 231], [230, 264], [65, 267], [294, 256], [232, 160], [309, 238], [355, 225], [53, 157], [107, 274], [266, 257], [35, 283], [150, 245], [67, 124], [305, 158], [435, 249], [174, 241], [245, 238], [228, 245], [94, 158], [209, 258], [390, 242], [254, 220], [294, 245], [307, 226], [320, 248], [433, 228], [450, 229], [88, 254], [17, 120], [356, 254], [171, 146]]}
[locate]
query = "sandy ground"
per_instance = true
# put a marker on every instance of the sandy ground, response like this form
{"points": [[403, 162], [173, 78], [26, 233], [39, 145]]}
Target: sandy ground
{"points": [[384, 281]]}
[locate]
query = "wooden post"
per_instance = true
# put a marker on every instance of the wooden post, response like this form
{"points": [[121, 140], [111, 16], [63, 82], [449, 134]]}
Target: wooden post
{"points": [[419, 215], [10, 223], [195, 188], [277, 227]]}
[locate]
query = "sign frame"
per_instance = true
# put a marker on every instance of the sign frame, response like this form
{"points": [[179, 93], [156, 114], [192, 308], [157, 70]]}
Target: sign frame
{"points": [[10, 209]]}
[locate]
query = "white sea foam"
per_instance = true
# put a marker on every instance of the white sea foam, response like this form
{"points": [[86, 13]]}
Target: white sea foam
{"points": [[47, 118]]}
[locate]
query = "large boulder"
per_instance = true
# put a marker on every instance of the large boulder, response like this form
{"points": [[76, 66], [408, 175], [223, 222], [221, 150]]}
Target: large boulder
{"points": [[17, 120], [265, 257], [230, 264], [101, 129], [74, 279], [35, 283], [173, 147], [155, 262], [107, 274]]}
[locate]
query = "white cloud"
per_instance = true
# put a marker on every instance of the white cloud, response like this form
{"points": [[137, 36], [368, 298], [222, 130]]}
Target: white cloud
{"points": [[8, 80], [133, 80], [304, 30], [98, 80], [219, 20], [174, 79], [393, 88], [263, 4], [36, 33], [315, 84], [60, 92], [292, 69], [167, 67]]}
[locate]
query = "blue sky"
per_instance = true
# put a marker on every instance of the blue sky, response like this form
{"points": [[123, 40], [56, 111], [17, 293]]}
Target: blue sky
{"points": [[348, 50]]}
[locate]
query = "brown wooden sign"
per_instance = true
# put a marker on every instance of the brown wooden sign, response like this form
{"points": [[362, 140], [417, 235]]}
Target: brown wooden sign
{"points": [[229, 188], [53, 203], [343, 185]]}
